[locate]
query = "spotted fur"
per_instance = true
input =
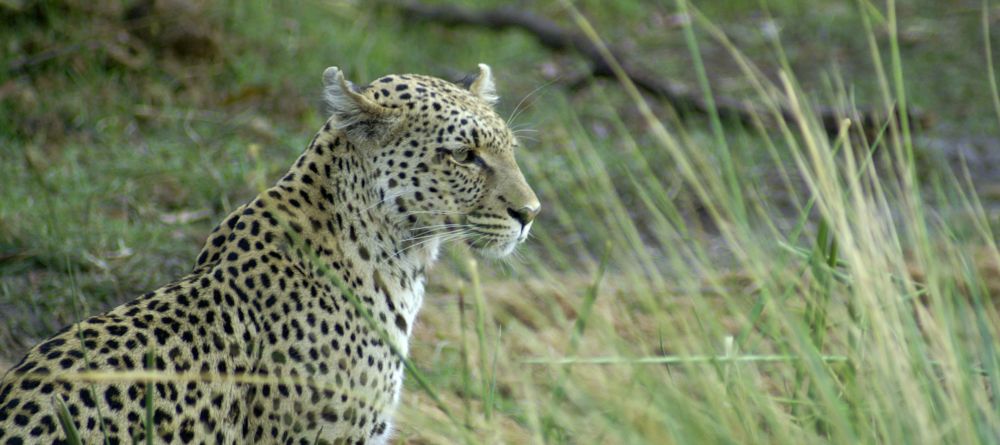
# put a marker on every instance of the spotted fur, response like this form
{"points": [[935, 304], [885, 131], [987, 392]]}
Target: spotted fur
{"points": [[292, 325]]}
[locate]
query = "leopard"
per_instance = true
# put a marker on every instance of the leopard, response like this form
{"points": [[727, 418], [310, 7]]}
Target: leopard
{"points": [[293, 326]]}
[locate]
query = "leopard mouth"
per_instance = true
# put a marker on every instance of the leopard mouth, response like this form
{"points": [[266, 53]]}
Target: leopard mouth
{"points": [[493, 245], [493, 249]]}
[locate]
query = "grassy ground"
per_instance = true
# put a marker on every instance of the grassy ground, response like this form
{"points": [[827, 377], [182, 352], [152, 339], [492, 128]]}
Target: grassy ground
{"points": [[687, 282]]}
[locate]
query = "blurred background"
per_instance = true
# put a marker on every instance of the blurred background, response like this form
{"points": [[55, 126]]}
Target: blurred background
{"points": [[772, 199]]}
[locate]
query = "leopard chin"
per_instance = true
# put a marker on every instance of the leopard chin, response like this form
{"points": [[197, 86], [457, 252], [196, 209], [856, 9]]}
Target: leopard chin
{"points": [[496, 252], [496, 247]]}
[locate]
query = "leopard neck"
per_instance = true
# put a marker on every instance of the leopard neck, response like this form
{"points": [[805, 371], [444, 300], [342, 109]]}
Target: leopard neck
{"points": [[333, 200]]}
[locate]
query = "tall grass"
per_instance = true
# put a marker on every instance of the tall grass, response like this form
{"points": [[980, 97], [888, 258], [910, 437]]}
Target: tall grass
{"points": [[855, 314]]}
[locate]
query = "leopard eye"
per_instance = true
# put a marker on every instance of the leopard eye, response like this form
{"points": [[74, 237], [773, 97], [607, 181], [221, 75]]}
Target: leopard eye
{"points": [[464, 156]]}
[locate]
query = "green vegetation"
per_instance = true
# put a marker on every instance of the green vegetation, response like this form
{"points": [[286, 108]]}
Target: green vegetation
{"points": [[688, 281]]}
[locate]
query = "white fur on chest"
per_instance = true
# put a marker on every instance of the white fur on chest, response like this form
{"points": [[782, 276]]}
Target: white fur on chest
{"points": [[409, 300], [413, 296]]}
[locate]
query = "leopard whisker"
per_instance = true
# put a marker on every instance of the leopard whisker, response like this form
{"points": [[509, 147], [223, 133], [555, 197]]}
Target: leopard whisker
{"points": [[443, 238], [514, 114], [432, 233], [434, 212]]}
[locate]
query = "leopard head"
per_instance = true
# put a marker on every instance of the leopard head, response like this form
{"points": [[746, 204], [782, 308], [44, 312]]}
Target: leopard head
{"points": [[443, 160]]}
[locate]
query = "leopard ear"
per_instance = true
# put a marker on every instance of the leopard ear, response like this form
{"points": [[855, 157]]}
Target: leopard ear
{"points": [[483, 86], [362, 119]]}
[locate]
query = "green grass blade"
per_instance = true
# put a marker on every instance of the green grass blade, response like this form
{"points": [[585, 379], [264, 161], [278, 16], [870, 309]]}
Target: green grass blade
{"points": [[66, 421], [148, 420]]}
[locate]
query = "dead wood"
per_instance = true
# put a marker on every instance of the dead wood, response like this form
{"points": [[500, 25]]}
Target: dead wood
{"points": [[684, 99]]}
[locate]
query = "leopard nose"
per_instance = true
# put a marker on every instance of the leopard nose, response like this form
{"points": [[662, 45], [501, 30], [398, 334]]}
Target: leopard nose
{"points": [[525, 214]]}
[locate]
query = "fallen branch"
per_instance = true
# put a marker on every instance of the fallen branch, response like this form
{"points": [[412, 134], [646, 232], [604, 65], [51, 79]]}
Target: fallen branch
{"points": [[684, 99]]}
